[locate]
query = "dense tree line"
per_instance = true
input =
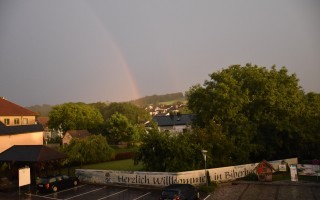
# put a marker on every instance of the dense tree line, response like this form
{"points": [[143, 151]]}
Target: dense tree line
{"points": [[117, 121], [264, 113], [244, 114]]}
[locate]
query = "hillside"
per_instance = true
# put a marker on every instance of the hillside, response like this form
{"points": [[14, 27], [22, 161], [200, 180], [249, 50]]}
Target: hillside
{"points": [[157, 99], [166, 99]]}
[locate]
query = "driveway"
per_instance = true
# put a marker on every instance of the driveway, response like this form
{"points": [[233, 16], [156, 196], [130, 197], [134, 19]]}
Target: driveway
{"points": [[281, 190]]}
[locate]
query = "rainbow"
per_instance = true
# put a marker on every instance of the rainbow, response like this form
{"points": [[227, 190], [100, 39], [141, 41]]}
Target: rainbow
{"points": [[119, 56]]}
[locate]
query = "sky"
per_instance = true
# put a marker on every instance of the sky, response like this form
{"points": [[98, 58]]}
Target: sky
{"points": [[57, 51]]}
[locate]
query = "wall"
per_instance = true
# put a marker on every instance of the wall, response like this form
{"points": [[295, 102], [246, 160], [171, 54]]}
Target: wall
{"points": [[160, 179], [31, 120], [8, 141]]}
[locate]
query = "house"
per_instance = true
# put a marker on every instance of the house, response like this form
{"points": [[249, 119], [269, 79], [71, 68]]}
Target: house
{"points": [[18, 126], [173, 123], [264, 171], [48, 132], [71, 134]]}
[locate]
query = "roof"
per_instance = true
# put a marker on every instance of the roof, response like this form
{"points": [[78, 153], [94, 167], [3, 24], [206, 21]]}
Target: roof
{"points": [[8, 108], [10, 130], [174, 120], [43, 121], [31, 153], [265, 163], [79, 133]]}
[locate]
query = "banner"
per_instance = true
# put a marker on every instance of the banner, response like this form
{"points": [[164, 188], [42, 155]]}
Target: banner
{"points": [[161, 179], [308, 170]]}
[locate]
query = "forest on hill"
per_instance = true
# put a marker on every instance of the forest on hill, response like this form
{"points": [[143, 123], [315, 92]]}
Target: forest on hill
{"points": [[156, 99], [44, 109]]}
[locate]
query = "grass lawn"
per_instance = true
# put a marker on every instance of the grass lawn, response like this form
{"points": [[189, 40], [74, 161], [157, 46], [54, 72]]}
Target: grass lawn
{"points": [[122, 165]]}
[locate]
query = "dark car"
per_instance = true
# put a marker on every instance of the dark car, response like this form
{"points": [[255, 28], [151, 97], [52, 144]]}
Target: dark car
{"points": [[179, 192], [53, 184]]}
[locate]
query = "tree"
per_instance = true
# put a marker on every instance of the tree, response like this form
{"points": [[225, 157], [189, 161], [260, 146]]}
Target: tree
{"points": [[258, 110], [161, 151], [75, 116], [120, 129], [309, 144], [91, 149], [133, 113]]}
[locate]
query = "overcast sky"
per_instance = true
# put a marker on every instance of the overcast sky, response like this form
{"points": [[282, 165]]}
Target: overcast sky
{"points": [[59, 51]]}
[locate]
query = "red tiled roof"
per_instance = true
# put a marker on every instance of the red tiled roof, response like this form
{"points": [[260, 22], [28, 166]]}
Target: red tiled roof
{"points": [[43, 121], [8, 108]]}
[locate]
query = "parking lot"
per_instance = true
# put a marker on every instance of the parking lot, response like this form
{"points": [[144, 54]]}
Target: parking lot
{"points": [[98, 192]]}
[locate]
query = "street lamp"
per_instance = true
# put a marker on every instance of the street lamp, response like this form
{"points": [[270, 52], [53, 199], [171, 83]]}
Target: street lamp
{"points": [[204, 153]]}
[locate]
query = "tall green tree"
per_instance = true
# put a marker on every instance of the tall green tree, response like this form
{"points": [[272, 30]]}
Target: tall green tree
{"points": [[163, 151], [75, 116], [310, 121], [121, 130], [258, 109]]}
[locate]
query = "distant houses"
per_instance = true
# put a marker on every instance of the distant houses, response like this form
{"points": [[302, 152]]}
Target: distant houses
{"points": [[178, 123], [164, 109]]}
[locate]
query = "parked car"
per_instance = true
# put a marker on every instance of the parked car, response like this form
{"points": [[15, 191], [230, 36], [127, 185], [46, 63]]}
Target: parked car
{"points": [[55, 183], [179, 192]]}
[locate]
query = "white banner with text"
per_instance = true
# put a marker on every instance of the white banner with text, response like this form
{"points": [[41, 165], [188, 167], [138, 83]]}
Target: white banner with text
{"points": [[161, 179]]}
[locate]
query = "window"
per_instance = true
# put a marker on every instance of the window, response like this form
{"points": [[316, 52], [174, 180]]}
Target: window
{"points": [[16, 121], [25, 121], [6, 121]]}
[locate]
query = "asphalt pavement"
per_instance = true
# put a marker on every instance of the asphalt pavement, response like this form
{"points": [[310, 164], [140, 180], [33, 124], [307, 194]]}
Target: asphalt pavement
{"points": [[240, 190], [278, 190]]}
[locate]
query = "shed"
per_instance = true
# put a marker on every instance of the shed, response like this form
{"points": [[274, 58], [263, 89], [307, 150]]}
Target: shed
{"points": [[71, 134], [264, 171], [41, 159]]}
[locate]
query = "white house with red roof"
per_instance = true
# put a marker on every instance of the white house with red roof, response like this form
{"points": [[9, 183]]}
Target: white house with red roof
{"points": [[18, 126]]}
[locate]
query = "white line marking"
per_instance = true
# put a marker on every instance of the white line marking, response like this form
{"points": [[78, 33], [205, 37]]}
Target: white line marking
{"points": [[63, 190], [113, 194], [207, 197], [142, 196], [85, 193], [43, 197]]}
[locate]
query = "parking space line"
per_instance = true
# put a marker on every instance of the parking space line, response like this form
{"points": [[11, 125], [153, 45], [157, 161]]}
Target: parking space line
{"points": [[85, 193], [142, 196], [113, 194], [64, 190], [207, 197], [45, 197]]}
